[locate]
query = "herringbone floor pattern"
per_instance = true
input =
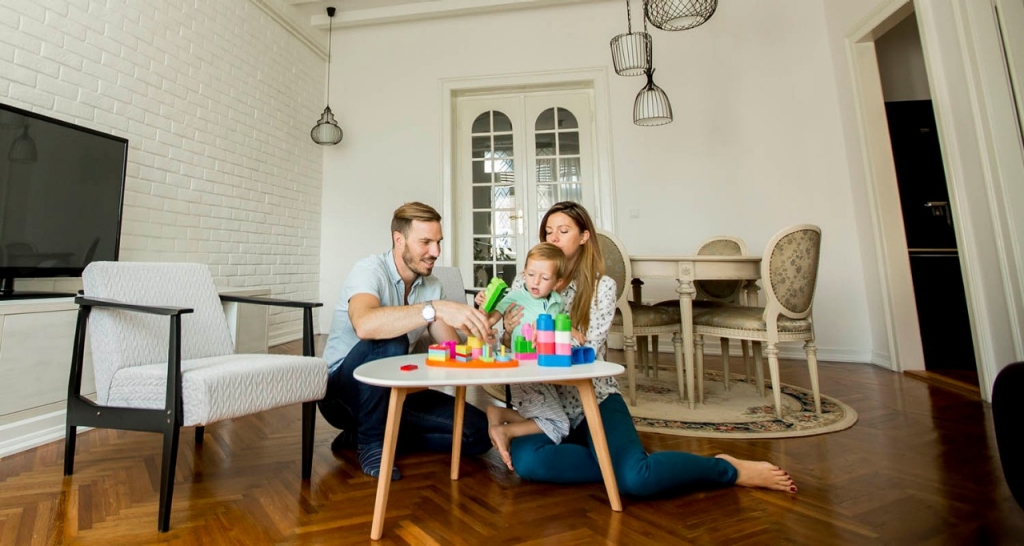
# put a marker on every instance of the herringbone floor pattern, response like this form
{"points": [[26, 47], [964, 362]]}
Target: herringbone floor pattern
{"points": [[920, 466]]}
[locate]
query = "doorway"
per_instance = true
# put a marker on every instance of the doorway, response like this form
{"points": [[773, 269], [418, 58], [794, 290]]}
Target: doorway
{"points": [[931, 243]]}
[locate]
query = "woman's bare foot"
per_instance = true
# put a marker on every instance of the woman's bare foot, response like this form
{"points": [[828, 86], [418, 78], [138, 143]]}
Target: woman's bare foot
{"points": [[760, 474], [499, 434]]}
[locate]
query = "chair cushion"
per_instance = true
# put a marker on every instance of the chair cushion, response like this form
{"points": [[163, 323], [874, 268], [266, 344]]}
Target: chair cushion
{"points": [[646, 316], [224, 387], [735, 317]]}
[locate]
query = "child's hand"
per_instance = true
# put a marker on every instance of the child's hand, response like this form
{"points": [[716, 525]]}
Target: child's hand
{"points": [[480, 299]]}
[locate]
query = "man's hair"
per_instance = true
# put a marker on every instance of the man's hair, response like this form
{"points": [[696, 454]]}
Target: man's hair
{"points": [[547, 252], [405, 214]]}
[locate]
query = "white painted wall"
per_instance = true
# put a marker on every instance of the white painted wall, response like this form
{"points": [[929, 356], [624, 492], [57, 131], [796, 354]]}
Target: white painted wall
{"points": [[757, 142], [901, 63], [216, 100]]}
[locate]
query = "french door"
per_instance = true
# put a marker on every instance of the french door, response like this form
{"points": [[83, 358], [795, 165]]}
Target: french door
{"points": [[517, 154]]}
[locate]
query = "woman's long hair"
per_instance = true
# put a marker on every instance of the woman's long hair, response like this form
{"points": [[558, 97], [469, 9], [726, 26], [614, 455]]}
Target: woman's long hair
{"points": [[589, 265]]}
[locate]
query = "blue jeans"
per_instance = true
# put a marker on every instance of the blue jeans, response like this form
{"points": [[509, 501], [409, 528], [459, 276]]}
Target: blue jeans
{"points": [[427, 416], [638, 473]]}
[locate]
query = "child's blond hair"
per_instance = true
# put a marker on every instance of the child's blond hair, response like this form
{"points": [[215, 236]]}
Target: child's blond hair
{"points": [[548, 252]]}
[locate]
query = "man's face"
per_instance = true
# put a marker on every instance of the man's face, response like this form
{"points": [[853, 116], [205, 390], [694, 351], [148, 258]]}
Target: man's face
{"points": [[421, 247]]}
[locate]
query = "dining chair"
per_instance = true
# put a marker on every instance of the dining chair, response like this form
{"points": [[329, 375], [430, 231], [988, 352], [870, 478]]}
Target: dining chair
{"points": [[163, 359], [634, 319], [789, 272]]}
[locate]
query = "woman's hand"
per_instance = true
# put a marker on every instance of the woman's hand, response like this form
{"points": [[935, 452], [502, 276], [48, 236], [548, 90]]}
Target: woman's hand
{"points": [[579, 337], [513, 315]]}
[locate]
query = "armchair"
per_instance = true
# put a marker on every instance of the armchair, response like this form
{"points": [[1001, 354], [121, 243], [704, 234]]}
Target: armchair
{"points": [[163, 359]]}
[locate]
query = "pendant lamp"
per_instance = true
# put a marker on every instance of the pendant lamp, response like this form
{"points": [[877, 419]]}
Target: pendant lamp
{"points": [[326, 131], [631, 51], [23, 149], [651, 106], [679, 14]]}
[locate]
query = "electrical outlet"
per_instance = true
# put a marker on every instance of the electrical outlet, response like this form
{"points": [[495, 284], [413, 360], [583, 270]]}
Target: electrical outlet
{"points": [[634, 213]]}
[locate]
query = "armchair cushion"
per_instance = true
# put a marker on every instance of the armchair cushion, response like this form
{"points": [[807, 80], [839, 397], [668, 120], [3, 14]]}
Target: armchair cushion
{"points": [[646, 316], [223, 387]]}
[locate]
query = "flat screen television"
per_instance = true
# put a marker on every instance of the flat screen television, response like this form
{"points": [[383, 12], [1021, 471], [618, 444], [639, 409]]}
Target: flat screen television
{"points": [[61, 196]]}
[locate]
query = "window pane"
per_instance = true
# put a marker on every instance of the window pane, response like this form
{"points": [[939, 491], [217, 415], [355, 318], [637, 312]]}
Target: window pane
{"points": [[504, 197], [481, 147], [482, 274], [502, 145], [505, 249], [507, 272], [569, 143], [546, 120], [545, 197], [506, 173], [480, 174], [566, 120], [482, 197], [546, 144], [503, 223], [501, 122], [545, 171], [482, 123], [482, 223], [569, 169]]}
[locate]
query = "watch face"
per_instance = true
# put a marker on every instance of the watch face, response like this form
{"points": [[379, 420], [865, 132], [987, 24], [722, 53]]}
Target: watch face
{"points": [[428, 312]]}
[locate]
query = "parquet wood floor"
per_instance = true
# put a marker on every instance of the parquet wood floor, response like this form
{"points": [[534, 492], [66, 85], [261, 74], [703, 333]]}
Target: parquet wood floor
{"points": [[920, 467]]}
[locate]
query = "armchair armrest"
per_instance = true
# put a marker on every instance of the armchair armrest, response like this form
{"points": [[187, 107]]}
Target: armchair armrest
{"points": [[85, 301], [262, 300]]}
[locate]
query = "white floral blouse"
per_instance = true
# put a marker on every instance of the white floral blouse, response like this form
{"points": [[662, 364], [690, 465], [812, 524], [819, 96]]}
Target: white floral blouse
{"points": [[557, 409]]}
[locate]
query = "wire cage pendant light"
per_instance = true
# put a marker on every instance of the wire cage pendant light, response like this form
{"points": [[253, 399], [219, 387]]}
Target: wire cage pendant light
{"points": [[326, 131], [23, 149], [651, 106], [679, 14], [631, 52]]}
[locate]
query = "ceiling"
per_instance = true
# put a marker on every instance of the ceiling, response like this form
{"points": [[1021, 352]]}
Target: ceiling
{"points": [[309, 17]]}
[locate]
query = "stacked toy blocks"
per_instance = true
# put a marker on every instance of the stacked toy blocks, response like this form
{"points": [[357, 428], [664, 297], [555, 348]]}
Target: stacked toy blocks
{"points": [[472, 354]]}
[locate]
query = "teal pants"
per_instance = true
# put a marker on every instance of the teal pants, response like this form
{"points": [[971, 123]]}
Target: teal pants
{"points": [[537, 458]]}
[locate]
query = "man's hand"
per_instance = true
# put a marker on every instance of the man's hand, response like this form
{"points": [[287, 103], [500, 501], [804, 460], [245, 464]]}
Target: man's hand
{"points": [[463, 317]]}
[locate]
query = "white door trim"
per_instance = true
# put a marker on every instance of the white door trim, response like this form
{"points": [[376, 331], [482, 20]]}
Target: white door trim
{"points": [[595, 79]]}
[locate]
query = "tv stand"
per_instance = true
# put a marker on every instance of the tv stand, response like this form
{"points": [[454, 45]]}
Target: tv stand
{"points": [[7, 292]]}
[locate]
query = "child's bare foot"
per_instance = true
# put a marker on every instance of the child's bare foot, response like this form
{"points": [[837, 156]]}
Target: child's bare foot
{"points": [[760, 474]]}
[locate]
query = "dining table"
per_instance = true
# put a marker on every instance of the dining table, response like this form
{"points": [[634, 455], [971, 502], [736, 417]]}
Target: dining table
{"points": [[685, 270]]}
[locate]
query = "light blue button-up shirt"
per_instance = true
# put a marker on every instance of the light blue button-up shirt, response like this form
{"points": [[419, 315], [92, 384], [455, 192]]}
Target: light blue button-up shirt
{"points": [[378, 276]]}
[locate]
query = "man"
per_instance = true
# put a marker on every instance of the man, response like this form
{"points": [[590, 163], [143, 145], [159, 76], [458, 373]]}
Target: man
{"points": [[386, 304]]}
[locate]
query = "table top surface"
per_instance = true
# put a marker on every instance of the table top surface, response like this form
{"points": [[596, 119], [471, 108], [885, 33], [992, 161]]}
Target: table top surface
{"points": [[387, 372]]}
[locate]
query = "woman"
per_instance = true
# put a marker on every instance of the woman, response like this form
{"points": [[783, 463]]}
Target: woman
{"points": [[547, 439]]}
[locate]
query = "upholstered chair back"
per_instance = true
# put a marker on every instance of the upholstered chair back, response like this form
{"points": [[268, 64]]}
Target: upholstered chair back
{"points": [[726, 291], [790, 267], [123, 339]]}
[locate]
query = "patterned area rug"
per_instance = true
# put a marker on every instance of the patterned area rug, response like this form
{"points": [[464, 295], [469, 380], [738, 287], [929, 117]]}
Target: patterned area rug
{"points": [[736, 413]]}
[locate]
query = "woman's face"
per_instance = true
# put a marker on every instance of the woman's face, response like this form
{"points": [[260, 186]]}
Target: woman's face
{"points": [[563, 232]]}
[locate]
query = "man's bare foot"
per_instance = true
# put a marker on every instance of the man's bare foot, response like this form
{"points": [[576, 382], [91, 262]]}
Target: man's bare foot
{"points": [[760, 474]]}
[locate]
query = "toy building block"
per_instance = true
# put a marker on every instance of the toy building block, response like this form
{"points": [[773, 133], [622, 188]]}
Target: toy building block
{"points": [[438, 353], [502, 356], [496, 290], [583, 355], [546, 342], [450, 344]]}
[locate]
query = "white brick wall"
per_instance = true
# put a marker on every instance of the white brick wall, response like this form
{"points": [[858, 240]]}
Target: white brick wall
{"points": [[216, 100]]}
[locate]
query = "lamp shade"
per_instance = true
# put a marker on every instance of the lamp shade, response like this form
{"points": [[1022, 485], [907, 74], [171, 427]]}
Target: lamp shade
{"points": [[326, 131], [679, 14], [23, 150], [631, 53], [651, 106]]}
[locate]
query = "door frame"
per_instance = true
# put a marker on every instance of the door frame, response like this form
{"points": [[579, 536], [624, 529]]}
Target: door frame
{"points": [[592, 79], [959, 42]]}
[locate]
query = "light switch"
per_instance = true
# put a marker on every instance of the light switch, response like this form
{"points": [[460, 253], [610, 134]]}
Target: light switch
{"points": [[634, 213]]}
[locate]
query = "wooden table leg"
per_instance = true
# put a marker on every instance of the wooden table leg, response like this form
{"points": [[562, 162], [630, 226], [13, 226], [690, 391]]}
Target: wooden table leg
{"points": [[604, 458], [460, 412], [686, 292], [387, 460]]}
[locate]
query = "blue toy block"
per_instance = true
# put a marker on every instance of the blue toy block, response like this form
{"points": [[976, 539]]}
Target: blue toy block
{"points": [[554, 361], [583, 355]]}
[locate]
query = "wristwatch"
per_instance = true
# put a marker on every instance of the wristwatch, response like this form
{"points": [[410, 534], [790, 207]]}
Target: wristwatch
{"points": [[429, 314]]}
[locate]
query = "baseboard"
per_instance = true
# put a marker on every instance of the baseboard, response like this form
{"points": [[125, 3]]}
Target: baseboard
{"points": [[33, 432], [794, 351], [878, 358]]}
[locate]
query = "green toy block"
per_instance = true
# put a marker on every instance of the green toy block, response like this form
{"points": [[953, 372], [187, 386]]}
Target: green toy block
{"points": [[496, 289]]}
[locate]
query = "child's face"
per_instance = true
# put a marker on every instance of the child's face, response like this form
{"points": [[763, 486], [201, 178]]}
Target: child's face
{"points": [[540, 277]]}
